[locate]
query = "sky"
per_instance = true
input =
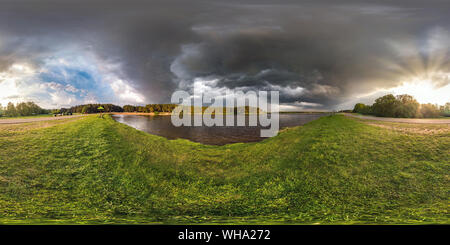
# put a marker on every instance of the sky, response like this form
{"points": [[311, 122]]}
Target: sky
{"points": [[320, 55]]}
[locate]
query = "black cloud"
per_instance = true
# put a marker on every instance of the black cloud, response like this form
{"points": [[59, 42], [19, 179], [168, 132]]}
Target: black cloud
{"points": [[333, 51]]}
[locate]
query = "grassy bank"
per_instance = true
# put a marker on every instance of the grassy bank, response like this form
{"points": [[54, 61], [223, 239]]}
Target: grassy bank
{"points": [[332, 170]]}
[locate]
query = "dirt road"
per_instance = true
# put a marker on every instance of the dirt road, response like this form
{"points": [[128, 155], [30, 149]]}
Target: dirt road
{"points": [[35, 119], [402, 120]]}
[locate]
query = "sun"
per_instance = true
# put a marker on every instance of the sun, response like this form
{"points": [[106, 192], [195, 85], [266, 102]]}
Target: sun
{"points": [[424, 91]]}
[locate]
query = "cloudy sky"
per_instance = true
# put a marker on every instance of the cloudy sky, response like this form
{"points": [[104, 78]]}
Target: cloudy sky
{"points": [[320, 55]]}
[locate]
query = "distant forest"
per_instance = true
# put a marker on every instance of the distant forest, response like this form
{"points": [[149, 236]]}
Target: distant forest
{"points": [[22, 109], [30, 108], [402, 106], [386, 106], [150, 108], [93, 108]]}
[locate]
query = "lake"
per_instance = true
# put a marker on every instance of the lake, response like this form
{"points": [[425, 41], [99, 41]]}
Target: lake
{"points": [[162, 126]]}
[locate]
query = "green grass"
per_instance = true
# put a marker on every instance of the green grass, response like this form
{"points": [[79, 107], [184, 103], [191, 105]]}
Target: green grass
{"points": [[23, 117], [33, 116], [334, 170], [369, 115]]}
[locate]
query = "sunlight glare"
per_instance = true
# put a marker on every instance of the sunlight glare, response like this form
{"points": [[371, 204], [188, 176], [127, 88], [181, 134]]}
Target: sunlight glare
{"points": [[424, 91]]}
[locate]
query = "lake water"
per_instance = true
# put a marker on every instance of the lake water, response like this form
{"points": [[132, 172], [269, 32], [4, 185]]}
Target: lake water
{"points": [[162, 126]]}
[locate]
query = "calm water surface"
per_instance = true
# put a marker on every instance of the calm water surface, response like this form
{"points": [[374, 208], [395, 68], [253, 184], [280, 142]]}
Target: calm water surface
{"points": [[162, 126]]}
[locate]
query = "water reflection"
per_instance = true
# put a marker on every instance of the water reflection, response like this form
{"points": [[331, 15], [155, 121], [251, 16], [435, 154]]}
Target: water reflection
{"points": [[162, 126]]}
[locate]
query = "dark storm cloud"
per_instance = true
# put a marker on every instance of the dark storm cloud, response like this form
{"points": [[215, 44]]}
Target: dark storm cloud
{"points": [[312, 51]]}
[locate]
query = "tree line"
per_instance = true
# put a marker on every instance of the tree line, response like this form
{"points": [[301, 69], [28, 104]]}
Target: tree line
{"points": [[92, 108], [30, 108], [402, 106], [22, 109], [170, 107], [150, 108]]}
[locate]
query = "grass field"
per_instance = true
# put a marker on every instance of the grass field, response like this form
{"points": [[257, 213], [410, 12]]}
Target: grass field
{"points": [[334, 170], [24, 117], [34, 116]]}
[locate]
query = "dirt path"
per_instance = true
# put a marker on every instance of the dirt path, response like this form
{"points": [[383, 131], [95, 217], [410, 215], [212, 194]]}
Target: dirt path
{"points": [[402, 120], [36, 119]]}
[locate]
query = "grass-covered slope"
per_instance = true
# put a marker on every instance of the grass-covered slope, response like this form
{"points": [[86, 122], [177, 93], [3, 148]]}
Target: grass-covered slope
{"points": [[332, 170]]}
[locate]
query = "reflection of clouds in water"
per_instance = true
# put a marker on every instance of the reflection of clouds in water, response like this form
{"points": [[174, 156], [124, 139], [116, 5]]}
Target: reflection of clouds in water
{"points": [[162, 126]]}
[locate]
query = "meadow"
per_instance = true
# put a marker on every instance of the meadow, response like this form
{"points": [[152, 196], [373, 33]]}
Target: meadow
{"points": [[334, 170], [24, 117]]}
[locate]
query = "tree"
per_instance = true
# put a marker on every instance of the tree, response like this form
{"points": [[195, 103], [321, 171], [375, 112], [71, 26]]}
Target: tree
{"points": [[359, 108], [129, 108], [429, 110], [10, 110], [407, 106], [385, 106], [84, 110], [22, 109], [402, 106], [445, 110], [149, 108], [158, 108]]}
